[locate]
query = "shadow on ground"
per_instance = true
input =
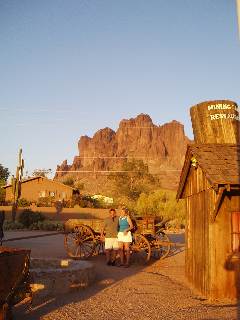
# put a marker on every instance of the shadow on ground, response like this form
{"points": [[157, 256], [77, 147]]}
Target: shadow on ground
{"points": [[106, 276]]}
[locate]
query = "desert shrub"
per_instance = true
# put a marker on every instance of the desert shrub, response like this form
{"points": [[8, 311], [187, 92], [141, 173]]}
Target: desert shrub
{"points": [[161, 203], [22, 202], [69, 182], [45, 202], [10, 225], [84, 201], [67, 203], [28, 217], [47, 225]]}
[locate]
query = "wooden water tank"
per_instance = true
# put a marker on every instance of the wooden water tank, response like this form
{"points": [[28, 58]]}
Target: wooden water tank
{"points": [[215, 121]]}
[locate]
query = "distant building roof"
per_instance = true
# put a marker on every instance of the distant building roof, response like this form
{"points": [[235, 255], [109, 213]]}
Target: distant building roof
{"points": [[219, 162], [40, 177]]}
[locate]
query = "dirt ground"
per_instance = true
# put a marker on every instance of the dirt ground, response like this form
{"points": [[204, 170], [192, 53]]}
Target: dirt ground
{"points": [[156, 291]]}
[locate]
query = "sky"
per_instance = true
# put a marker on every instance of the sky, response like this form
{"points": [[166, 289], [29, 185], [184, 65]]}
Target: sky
{"points": [[71, 67]]}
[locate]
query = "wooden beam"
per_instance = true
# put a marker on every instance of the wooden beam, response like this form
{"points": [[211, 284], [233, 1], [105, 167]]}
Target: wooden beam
{"points": [[213, 215], [228, 187]]}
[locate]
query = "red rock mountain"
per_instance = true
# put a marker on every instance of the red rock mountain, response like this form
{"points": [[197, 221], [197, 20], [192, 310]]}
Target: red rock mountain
{"points": [[162, 148]]}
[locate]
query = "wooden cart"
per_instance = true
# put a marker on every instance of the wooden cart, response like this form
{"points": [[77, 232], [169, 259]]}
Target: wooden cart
{"points": [[14, 279], [154, 231], [82, 239]]}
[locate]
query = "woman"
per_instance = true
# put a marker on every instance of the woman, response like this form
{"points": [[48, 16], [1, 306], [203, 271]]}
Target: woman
{"points": [[124, 236]]}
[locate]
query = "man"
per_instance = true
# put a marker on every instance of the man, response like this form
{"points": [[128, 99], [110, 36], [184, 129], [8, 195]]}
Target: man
{"points": [[110, 229]]}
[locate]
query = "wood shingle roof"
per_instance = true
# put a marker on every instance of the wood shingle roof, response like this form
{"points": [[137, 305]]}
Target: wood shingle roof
{"points": [[219, 162]]}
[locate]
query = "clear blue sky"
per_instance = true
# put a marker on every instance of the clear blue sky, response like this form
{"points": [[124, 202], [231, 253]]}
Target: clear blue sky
{"points": [[71, 67]]}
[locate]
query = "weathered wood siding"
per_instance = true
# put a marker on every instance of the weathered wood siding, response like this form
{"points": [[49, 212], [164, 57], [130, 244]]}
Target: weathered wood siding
{"points": [[197, 231], [224, 275], [209, 244]]}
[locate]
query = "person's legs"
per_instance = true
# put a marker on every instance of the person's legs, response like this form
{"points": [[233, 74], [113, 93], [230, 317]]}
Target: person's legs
{"points": [[114, 252], [127, 253], [108, 256], [108, 248], [120, 250], [114, 255]]}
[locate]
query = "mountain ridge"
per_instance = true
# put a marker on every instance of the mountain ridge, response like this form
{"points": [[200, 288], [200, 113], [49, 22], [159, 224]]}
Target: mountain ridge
{"points": [[162, 148]]}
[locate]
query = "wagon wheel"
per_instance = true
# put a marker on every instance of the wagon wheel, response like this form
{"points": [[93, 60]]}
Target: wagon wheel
{"points": [[80, 243], [141, 249], [161, 245]]}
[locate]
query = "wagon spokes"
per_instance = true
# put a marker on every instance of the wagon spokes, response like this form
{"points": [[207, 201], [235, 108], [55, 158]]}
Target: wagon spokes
{"points": [[80, 243], [141, 250], [161, 245]]}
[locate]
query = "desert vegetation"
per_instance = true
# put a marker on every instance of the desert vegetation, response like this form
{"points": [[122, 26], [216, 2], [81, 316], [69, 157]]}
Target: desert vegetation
{"points": [[141, 192], [30, 220], [4, 174]]}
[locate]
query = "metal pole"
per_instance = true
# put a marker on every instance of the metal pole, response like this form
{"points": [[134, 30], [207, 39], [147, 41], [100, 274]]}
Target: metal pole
{"points": [[238, 16]]}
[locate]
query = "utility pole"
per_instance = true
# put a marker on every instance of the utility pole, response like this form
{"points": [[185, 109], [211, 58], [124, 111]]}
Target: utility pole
{"points": [[238, 16]]}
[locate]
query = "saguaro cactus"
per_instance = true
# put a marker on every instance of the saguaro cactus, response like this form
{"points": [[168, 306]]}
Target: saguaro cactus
{"points": [[16, 184]]}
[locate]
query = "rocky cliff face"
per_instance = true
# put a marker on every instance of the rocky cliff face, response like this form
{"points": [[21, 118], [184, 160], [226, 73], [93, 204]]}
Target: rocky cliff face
{"points": [[161, 147]]}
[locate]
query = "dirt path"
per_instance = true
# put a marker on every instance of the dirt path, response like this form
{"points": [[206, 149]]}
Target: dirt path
{"points": [[157, 291]]}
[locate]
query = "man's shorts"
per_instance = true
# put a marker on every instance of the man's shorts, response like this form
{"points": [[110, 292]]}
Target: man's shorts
{"points": [[111, 243]]}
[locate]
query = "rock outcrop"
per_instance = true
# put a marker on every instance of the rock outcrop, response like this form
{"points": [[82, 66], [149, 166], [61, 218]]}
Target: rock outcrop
{"points": [[162, 148]]}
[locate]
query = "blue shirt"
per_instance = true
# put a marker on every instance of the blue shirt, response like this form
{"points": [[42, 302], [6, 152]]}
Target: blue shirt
{"points": [[123, 224]]}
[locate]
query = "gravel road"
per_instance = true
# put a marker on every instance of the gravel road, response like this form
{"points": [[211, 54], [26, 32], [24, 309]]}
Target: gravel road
{"points": [[158, 291]]}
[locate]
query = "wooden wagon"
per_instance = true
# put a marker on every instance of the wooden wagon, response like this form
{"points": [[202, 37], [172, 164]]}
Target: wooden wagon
{"points": [[14, 279], [82, 239]]}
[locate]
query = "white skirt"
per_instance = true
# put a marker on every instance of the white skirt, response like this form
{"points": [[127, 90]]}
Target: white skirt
{"points": [[124, 238]]}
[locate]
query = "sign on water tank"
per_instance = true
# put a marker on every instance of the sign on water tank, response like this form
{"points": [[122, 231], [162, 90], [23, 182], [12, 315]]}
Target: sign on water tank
{"points": [[224, 106]]}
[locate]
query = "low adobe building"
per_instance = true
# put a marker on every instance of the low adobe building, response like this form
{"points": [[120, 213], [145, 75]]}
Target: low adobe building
{"points": [[40, 187]]}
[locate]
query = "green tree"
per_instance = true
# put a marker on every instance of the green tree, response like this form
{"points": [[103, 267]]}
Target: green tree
{"points": [[133, 179], [4, 174], [69, 182], [161, 203]]}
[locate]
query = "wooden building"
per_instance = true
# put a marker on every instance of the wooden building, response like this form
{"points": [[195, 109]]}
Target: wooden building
{"points": [[210, 184], [40, 187]]}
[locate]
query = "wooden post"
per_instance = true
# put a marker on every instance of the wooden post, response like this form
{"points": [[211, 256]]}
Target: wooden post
{"points": [[215, 121]]}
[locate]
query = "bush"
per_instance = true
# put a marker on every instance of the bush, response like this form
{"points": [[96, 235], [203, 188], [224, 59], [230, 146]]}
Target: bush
{"points": [[162, 203], [10, 225], [28, 217], [22, 202], [84, 201], [47, 225], [45, 202], [69, 182]]}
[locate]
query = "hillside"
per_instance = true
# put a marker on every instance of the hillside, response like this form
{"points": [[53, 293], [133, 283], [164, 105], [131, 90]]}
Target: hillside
{"points": [[162, 148]]}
